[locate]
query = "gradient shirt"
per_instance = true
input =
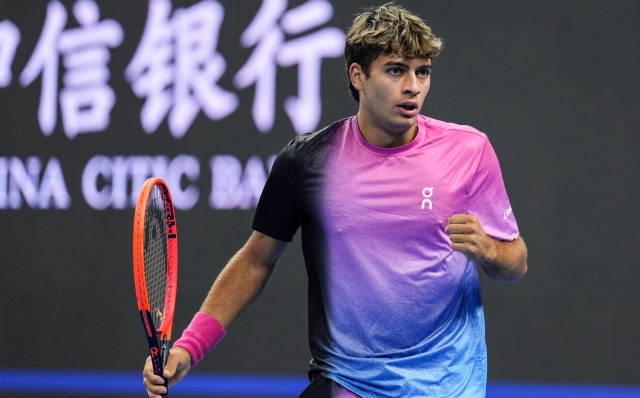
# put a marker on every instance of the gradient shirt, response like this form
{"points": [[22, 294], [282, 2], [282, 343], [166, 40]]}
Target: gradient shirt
{"points": [[393, 310]]}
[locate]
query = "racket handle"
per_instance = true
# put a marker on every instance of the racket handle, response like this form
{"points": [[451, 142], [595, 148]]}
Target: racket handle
{"points": [[164, 355]]}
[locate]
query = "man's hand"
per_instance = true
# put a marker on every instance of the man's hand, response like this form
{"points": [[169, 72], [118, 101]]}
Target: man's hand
{"points": [[178, 365], [502, 261], [468, 237]]}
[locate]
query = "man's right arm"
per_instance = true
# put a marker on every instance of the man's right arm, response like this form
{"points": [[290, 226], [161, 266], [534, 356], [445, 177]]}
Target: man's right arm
{"points": [[244, 277], [237, 286]]}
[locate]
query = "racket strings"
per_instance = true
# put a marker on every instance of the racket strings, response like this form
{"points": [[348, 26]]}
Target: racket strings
{"points": [[155, 255]]}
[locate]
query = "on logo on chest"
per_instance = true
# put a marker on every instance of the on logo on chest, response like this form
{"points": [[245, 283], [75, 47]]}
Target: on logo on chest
{"points": [[427, 193]]}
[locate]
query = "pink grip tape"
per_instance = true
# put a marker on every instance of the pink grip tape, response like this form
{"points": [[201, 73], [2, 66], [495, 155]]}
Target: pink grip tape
{"points": [[202, 334]]}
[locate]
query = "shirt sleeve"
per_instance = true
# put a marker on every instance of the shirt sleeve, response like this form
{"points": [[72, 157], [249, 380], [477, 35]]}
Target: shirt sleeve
{"points": [[487, 197], [278, 213]]}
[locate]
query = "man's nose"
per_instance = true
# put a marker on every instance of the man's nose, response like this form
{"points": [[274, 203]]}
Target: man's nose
{"points": [[411, 84]]}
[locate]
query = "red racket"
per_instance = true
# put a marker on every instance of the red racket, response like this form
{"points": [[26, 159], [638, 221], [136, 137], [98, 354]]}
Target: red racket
{"points": [[155, 267]]}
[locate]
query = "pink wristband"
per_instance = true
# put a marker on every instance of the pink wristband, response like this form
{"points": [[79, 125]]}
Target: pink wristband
{"points": [[202, 334]]}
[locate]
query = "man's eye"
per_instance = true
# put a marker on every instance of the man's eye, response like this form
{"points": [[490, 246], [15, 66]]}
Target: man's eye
{"points": [[423, 73], [394, 71]]}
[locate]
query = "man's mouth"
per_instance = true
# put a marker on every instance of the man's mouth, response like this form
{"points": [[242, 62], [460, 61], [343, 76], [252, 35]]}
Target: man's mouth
{"points": [[408, 109], [408, 106]]}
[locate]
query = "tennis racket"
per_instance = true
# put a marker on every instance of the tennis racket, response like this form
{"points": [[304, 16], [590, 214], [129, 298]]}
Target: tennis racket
{"points": [[155, 267]]}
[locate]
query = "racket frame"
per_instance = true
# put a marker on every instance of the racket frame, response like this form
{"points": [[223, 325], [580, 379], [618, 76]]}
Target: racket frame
{"points": [[157, 338]]}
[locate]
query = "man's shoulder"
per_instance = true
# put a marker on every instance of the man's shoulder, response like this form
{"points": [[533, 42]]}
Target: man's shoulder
{"points": [[460, 131], [305, 147], [339, 125], [307, 141]]}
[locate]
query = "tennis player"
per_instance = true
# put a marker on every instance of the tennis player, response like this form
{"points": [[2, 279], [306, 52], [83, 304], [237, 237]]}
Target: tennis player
{"points": [[397, 212]]}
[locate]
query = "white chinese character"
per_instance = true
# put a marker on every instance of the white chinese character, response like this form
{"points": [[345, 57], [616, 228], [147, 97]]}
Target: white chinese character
{"points": [[86, 99], [267, 33], [177, 67], [9, 40]]}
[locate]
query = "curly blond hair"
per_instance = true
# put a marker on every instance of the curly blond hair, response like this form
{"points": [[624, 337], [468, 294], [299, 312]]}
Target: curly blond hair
{"points": [[387, 29]]}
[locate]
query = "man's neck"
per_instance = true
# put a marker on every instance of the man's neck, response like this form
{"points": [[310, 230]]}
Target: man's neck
{"points": [[384, 139]]}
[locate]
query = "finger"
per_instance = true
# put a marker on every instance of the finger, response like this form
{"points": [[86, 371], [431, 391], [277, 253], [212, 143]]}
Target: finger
{"points": [[149, 375], [459, 238], [460, 229], [169, 371], [460, 218], [174, 362], [463, 240], [154, 390]]}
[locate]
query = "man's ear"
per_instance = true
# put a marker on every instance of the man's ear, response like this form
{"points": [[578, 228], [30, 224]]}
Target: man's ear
{"points": [[356, 74]]}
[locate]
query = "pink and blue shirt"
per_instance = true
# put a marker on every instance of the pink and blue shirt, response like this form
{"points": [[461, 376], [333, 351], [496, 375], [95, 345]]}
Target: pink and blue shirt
{"points": [[393, 310]]}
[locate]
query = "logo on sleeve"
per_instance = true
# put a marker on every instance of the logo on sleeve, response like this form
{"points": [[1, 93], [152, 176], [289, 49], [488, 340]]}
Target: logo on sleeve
{"points": [[427, 192], [506, 213]]}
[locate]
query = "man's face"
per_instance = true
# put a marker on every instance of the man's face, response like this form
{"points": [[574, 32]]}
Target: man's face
{"points": [[392, 95]]}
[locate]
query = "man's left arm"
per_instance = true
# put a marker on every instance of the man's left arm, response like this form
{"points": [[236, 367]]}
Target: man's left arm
{"points": [[502, 261]]}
